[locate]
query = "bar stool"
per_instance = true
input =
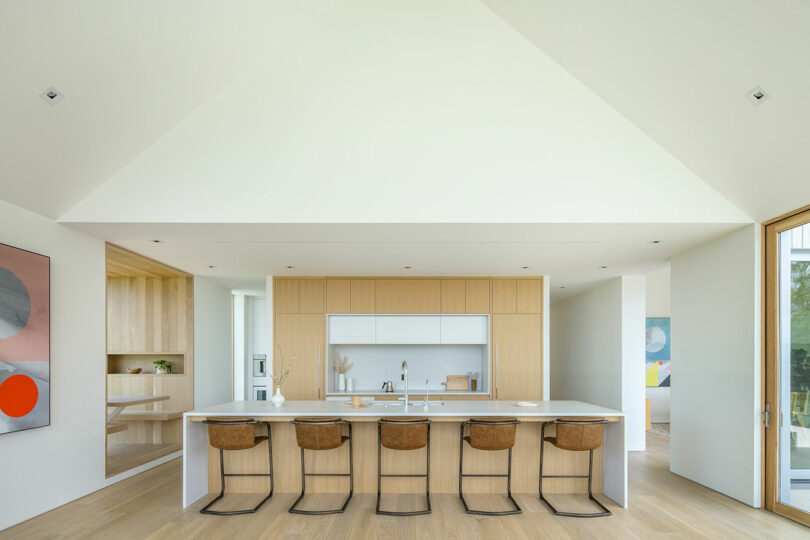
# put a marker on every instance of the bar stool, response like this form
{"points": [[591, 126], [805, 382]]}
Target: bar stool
{"points": [[403, 434], [489, 434], [576, 435], [236, 434], [322, 434]]}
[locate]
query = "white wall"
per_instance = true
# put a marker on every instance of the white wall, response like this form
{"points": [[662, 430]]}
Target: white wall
{"points": [[658, 305], [212, 343], [46, 467], [716, 365], [597, 347], [239, 348]]}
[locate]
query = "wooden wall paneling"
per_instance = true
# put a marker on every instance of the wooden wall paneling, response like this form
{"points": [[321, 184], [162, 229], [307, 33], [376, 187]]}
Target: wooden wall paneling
{"points": [[504, 296], [338, 296], [454, 296], [408, 296], [529, 295], [124, 263], [363, 295], [286, 296], [518, 362], [444, 461], [311, 295], [477, 295]]}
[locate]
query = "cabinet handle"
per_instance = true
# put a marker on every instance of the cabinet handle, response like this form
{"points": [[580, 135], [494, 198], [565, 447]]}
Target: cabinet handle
{"points": [[497, 371], [319, 371]]}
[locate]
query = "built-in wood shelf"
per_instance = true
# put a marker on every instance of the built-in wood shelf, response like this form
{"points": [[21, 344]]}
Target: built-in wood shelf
{"points": [[119, 363], [116, 428], [157, 416], [122, 457]]}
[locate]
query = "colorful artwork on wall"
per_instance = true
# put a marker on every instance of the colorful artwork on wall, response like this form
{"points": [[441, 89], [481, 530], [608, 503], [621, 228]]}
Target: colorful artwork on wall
{"points": [[25, 342], [658, 347]]}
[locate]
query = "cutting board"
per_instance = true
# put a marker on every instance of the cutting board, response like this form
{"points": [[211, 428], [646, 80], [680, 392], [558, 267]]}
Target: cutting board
{"points": [[457, 383]]}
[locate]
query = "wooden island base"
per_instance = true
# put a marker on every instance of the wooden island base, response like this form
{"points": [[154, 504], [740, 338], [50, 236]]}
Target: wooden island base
{"points": [[444, 460]]}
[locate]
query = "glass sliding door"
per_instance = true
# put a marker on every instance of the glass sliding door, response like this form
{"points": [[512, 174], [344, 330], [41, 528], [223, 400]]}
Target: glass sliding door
{"points": [[787, 377]]}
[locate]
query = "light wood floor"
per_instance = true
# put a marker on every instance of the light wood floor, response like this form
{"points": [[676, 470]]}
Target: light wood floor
{"points": [[662, 505]]}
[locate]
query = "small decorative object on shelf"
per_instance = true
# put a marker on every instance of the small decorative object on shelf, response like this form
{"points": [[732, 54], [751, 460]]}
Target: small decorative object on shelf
{"points": [[474, 382], [163, 367], [134, 371], [278, 380], [342, 366]]}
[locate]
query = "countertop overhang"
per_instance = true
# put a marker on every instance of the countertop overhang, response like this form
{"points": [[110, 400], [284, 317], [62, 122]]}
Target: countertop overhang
{"points": [[451, 409]]}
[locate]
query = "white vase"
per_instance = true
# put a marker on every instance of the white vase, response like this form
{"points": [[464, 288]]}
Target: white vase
{"points": [[160, 371], [277, 399], [341, 382]]}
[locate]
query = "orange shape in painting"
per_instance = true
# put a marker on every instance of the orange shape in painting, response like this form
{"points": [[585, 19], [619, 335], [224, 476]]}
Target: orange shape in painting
{"points": [[18, 395]]}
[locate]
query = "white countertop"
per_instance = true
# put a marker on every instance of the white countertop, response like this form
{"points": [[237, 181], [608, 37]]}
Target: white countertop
{"points": [[450, 408]]}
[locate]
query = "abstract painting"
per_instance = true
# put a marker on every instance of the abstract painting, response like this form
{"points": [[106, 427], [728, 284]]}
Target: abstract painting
{"points": [[25, 343], [658, 348]]}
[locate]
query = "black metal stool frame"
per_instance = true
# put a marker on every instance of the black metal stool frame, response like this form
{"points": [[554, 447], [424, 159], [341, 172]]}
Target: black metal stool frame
{"points": [[508, 474], [222, 474], [304, 474], [380, 475], [605, 511]]}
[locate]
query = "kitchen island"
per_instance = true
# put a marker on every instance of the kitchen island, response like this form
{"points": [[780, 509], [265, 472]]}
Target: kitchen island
{"points": [[201, 462]]}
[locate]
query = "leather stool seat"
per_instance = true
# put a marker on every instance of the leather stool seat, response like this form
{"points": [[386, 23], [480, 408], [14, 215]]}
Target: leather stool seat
{"points": [[578, 434], [403, 433], [491, 437]]}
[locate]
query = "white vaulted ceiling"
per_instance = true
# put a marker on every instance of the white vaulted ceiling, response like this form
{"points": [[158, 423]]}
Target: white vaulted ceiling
{"points": [[680, 71]]}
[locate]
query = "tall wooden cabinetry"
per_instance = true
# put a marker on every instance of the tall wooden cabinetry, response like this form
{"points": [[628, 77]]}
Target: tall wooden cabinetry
{"points": [[150, 312], [299, 328], [517, 338], [300, 305]]}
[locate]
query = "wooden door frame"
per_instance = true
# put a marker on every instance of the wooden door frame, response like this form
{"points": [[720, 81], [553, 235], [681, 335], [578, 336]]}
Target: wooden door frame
{"points": [[770, 329]]}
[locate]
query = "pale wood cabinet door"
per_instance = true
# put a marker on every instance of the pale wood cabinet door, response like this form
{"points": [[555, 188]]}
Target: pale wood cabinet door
{"points": [[529, 296], [518, 356], [477, 293], [454, 296], [302, 335], [338, 296], [504, 296], [409, 296], [362, 293], [311, 299], [286, 296]]}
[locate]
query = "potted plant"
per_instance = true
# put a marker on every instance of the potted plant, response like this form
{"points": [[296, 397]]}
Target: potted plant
{"points": [[342, 366], [163, 366], [279, 379]]}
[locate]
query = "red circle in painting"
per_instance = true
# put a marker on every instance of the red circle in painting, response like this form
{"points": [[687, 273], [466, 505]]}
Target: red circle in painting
{"points": [[18, 395]]}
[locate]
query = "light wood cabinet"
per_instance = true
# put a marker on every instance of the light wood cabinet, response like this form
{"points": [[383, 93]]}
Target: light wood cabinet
{"points": [[408, 296], [517, 341], [504, 296], [338, 296], [363, 294], [286, 296], [454, 296], [311, 298], [477, 295], [299, 295], [529, 296], [302, 335]]}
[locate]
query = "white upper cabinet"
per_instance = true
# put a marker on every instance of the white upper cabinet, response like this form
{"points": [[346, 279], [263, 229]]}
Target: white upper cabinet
{"points": [[408, 330], [464, 330], [352, 330]]}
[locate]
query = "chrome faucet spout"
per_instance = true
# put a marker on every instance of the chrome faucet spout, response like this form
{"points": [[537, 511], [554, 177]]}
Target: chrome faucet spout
{"points": [[405, 378]]}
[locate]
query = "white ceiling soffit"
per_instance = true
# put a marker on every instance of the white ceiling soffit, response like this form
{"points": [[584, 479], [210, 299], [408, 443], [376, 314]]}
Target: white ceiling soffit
{"points": [[680, 71], [418, 111], [572, 254], [129, 71]]}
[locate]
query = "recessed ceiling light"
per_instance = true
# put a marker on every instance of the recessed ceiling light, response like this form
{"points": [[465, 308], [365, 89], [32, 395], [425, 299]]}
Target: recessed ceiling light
{"points": [[602, 267], [407, 267], [655, 242], [290, 267], [525, 267], [757, 95], [562, 286], [157, 241], [52, 95], [211, 266]]}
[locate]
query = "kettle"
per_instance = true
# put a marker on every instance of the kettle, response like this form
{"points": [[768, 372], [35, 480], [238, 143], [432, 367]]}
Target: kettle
{"points": [[389, 386]]}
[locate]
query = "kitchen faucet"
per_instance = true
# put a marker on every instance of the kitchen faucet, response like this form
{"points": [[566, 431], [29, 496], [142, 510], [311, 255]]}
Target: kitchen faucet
{"points": [[404, 375]]}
